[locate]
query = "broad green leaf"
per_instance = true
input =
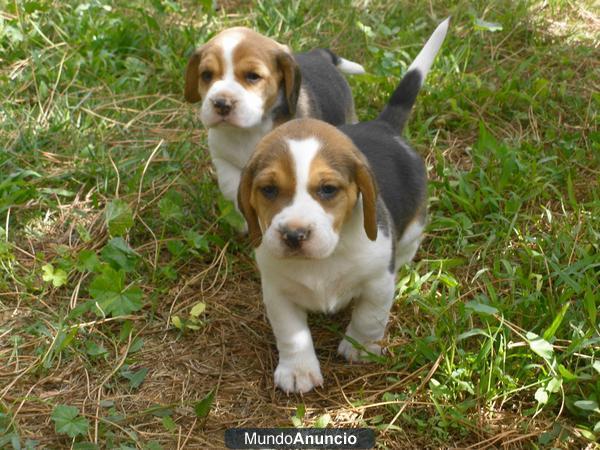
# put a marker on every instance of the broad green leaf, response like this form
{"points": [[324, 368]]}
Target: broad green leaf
{"points": [[197, 241], [120, 255], [176, 247], [596, 365], [198, 309], [135, 378], [541, 395], [136, 345], [119, 217], [169, 424], [112, 297], [67, 421], [586, 434], [587, 405], [95, 350], [202, 408], [540, 346], [170, 206], [58, 277], [87, 260], [229, 214]]}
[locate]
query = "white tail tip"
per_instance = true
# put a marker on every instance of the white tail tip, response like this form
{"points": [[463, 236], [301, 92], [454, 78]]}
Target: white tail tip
{"points": [[350, 67], [425, 58]]}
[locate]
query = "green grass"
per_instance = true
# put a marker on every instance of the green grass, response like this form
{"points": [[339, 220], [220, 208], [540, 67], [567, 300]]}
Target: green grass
{"points": [[113, 236]]}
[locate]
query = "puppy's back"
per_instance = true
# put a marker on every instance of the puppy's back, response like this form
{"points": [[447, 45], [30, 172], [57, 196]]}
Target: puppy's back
{"points": [[398, 169], [326, 92]]}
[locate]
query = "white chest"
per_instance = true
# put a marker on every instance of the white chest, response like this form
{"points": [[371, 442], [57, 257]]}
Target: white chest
{"points": [[330, 284], [235, 145]]}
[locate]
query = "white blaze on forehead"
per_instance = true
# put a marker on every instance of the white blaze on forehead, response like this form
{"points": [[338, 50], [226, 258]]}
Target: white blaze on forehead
{"points": [[228, 43], [303, 152]]}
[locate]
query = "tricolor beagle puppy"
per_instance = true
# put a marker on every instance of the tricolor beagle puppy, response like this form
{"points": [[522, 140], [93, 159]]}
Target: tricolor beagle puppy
{"points": [[249, 84], [334, 212]]}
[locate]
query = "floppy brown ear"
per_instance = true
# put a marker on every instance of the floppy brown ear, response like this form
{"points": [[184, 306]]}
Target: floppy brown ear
{"points": [[192, 77], [291, 79], [246, 208], [366, 186]]}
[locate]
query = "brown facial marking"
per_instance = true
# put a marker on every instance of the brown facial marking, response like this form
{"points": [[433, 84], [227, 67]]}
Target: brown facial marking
{"points": [[342, 165], [324, 176], [267, 186], [260, 65], [338, 163], [204, 67]]}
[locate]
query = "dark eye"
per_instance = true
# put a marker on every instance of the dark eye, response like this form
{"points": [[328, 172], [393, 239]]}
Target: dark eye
{"points": [[252, 77], [269, 192], [327, 191], [206, 76]]}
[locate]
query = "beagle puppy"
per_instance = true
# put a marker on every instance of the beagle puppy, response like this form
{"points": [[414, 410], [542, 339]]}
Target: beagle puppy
{"points": [[249, 83], [333, 213]]}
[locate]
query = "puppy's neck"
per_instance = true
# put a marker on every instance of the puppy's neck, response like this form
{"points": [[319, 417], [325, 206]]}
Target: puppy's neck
{"points": [[235, 144], [353, 232]]}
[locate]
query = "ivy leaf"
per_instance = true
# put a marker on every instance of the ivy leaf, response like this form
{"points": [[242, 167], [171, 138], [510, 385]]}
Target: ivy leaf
{"points": [[87, 261], [197, 241], [202, 408], [58, 277], [119, 217], [111, 295], [67, 421], [170, 206], [120, 255]]}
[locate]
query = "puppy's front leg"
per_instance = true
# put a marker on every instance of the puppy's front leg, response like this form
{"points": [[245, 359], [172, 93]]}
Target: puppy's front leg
{"points": [[369, 318], [298, 369]]}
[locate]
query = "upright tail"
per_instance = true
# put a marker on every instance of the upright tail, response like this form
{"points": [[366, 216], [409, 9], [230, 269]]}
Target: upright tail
{"points": [[402, 100]]}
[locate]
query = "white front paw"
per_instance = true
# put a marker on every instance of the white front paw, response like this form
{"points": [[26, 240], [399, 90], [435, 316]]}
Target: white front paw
{"points": [[298, 375], [354, 354]]}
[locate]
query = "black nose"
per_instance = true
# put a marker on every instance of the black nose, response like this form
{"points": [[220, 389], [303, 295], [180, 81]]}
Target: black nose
{"points": [[293, 238], [222, 105]]}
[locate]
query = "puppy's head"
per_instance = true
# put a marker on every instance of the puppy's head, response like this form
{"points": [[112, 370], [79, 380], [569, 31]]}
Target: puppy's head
{"points": [[300, 187], [240, 76]]}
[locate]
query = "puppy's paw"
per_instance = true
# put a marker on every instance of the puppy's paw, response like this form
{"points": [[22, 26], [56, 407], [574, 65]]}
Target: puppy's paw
{"points": [[353, 354], [299, 375]]}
